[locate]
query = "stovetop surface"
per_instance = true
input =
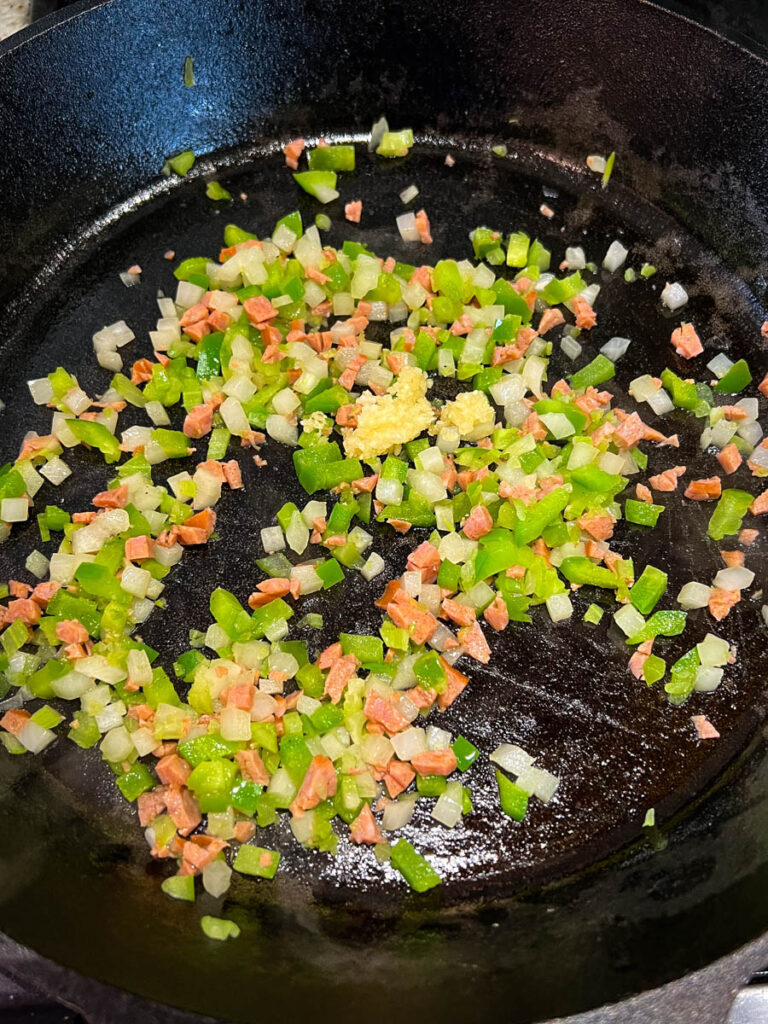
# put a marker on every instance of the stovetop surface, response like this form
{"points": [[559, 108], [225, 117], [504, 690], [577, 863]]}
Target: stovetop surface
{"points": [[745, 22]]}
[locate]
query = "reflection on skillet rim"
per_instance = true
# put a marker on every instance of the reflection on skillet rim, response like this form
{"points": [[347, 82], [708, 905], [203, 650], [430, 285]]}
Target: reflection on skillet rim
{"points": [[551, 172]]}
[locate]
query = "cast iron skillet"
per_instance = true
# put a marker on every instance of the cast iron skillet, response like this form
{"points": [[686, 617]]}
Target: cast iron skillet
{"points": [[577, 908]]}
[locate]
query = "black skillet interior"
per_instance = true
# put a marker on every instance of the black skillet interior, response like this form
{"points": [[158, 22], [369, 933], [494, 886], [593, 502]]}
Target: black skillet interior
{"points": [[103, 104]]}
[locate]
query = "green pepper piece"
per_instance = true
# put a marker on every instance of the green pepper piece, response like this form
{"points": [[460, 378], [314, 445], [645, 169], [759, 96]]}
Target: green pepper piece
{"points": [[311, 680], [511, 300], [330, 573], [218, 928], [179, 887], [597, 372], [682, 392], [245, 797], [99, 581], [395, 144], [332, 158], [665, 623], [295, 757], [593, 614], [319, 184], [517, 249], [654, 669], [216, 191], [735, 380], [96, 435], [230, 614], [182, 163], [562, 289], [137, 780], [429, 671], [211, 782], [190, 267], [648, 589], [641, 513], [580, 569], [683, 677], [84, 730], [466, 753], [207, 747], [122, 385], [431, 785], [536, 517], [329, 400], [364, 648], [257, 861], [414, 868], [513, 799], [449, 575], [729, 513], [327, 717]]}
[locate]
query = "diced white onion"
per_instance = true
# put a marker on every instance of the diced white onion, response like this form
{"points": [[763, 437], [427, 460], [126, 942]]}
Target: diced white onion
{"points": [[570, 347], [35, 738], [559, 607], [511, 758], [135, 580], [713, 651], [41, 390], [539, 783], [168, 556], [37, 564], [735, 577], [575, 257], [297, 534], [694, 595], [615, 348], [117, 745], [409, 743], [751, 431], [234, 416], [558, 424], [281, 429], [660, 402], [235, 724], [74, 685], [615, 257], [708, 678], [406, 225], [629, 620], [399, 813], [389, 491], [56, 470], [14, 510], [674, 296], [207, 489], [438, 739], [373, 567], [217, 877], [720, 365], [272, 539], [447, 810]]}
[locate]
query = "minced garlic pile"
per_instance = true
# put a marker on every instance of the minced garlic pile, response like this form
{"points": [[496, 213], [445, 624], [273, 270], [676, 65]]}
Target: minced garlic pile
{"points": [[388, 421], [471, 413]]}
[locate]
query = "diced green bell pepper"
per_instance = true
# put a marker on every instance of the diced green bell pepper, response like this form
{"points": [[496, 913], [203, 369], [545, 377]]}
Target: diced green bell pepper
{"points": [[648, 590], [417, 871], [513, 799]]}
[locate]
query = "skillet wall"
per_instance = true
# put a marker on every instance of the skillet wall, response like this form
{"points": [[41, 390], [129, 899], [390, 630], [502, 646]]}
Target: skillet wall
{"points": [[88, 114]]}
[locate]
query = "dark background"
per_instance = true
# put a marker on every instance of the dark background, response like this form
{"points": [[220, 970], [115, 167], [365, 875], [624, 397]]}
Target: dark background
{"points": [[743, 21]]}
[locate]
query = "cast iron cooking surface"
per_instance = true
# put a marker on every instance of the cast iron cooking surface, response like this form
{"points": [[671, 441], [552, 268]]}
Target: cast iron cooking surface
{"points": [[563, 692]]}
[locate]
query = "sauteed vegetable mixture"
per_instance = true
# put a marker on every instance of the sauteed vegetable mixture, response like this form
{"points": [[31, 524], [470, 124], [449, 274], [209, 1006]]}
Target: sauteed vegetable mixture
{"points": [[512, 490]]}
